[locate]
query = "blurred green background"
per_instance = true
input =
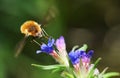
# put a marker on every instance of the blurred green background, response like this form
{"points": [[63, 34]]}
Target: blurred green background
{"points": [[94, 22]]}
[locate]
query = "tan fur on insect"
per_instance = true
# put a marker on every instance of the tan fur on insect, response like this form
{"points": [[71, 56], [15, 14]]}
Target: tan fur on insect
{"points": [[31, 28]]}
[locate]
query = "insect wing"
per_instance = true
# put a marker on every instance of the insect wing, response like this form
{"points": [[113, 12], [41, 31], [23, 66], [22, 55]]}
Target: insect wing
{"points": [[19, 46]]}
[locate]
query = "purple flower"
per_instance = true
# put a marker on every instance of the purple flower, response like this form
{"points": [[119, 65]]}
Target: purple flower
{"points": [[85, 58], [47, 48], [60, 44], [61, 50], [75, 56]]}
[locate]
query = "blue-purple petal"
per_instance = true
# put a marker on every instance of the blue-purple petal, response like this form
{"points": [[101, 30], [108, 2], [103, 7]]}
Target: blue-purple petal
{"points": [[51, 42], [74, 57], [43, 46], [47, 48], [90, 53], [79, 53]]}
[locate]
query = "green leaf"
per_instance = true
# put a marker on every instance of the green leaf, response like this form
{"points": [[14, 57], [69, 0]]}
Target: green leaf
{"points": [[50, 67], [90, 75], [111, 74], [67, 75], [103, 72]]}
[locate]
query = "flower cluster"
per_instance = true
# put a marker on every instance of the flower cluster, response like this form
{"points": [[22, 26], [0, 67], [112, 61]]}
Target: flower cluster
{"points": [[80, 59], [60, 55]]}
